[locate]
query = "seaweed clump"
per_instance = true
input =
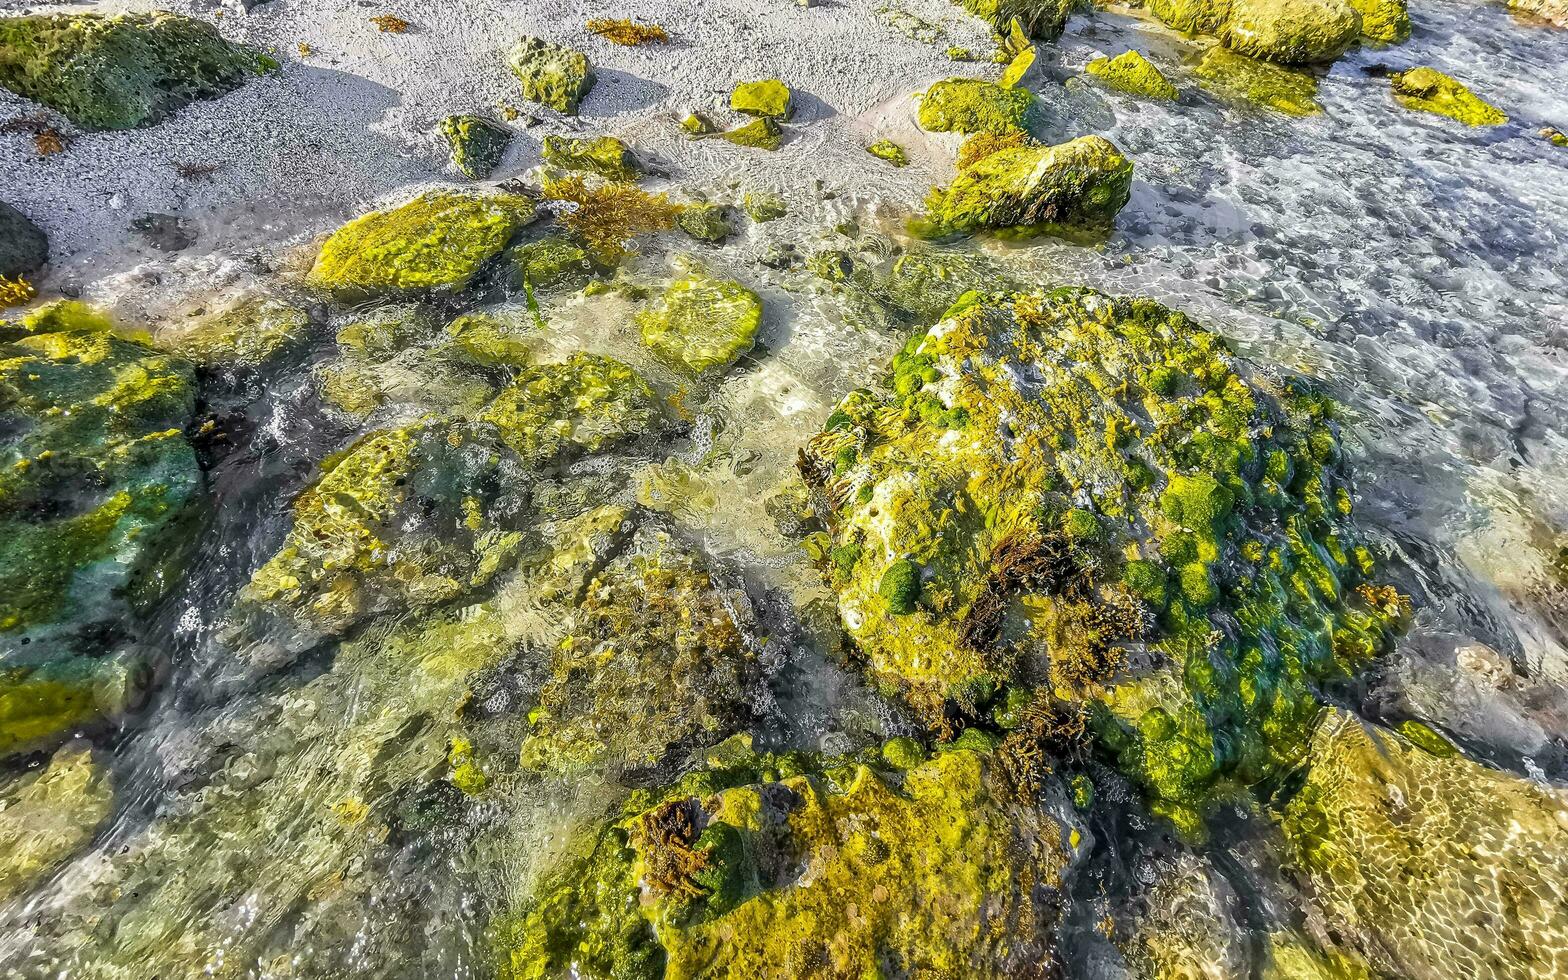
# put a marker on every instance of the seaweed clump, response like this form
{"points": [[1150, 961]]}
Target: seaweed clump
{"points": [[606, 217], [1075, 479]]}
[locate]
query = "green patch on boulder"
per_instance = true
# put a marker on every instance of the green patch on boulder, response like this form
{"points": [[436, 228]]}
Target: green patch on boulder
{"points": [[889, 151], [43, 704], [1235, 76], [47, 816], [701, 323], [763, 133], [551, 74], [1286, 31], [251, 333], [122, 71], [969, 105], [1079, 185], [477, 144], [554, 413], [742, 869], [1429, 90], [605, 156], [1383, 21], [769, 97], [436, 241], [554, 262], [1131, 72], [1043, 19], [1136, 454]]}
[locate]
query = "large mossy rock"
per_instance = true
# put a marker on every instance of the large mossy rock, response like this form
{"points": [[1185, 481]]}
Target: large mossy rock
{"points": [[1405, 842], [23, 247], [436, 241], [1429, 90], [701, 323], [806, 867], [1239, 78], [970, 105], [1081, 184], [123, 71], [550, 74], [1131, 72], [1043, 19], [1383, 21], [1054, 477], [1286, 31], [46, 816]]}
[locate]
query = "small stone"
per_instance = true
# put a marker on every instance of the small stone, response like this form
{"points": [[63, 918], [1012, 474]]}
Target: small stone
{"points": [[1429, 90], [1079, 184], [704, 222], [696, 124], [478, 144], [1131, 72], [769, 97], [889, 151], [764, 206], [551, 74]]}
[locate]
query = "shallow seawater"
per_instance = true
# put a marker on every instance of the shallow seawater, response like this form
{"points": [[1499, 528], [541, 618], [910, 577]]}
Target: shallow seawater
{"points": [[291, 814]]}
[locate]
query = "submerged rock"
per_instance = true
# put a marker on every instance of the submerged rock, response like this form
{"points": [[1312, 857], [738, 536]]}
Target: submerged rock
{"points": [[1239, 77], [1081, 184], [551, 74], [701, 323], [1043, 19], [811, 867], [969, 105], [1551, 11], [249, 334], [23, 247], [122, 71], [1429, 90], [47, 816], [705, 222], [605, 156], [769, 97], [554, 413], [1288, 31], [477, 143], [1132, 72], [42, 704], [764, 206], [436, 241], [1403, 846], [552, 262], [1068, 475], [763, 133]]}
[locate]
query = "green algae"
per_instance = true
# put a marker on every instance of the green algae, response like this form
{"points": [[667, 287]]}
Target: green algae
{"points": [[969, 105], [1271, 86], [46, 816], [605, 156], [477, 144], [1285, 31], [1429, 90], [1043, 19], [889, 151], [705, 222], [386, 330], [1133, 73], [764, 206], [769, 97], [1146, 492], [701, 323], [552, 75], [553, 262], [123, 71], [763, 133], [1383, 21], [251, 333], [553, 413], [436, 241], [1081, 184]]}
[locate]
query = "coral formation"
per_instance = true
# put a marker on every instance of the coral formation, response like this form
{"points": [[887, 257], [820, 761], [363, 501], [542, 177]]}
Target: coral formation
{"points": [[1131, 72], [552, 75], [1080, 184], [1429, 90], [701, 323]]}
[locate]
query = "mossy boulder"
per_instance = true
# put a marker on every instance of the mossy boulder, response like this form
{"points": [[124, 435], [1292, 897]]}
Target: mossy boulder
{"points": [[552, 262], [605, 156], [763, 133], [122, 71], [23, 246], [1238, 77], [660, 655], [806, 866], [250, 333], [1077, 185], [705, 222], [1286, 31], [1043, 19], [1400, 844], [1131, 72], [969, 105], [1383, 21], [1429, 90], [551, 74], [436, 241], [383, 332], [701, 323], [477, 144], [769, 97], [555, 413], [1220, 535], [46, 816]]}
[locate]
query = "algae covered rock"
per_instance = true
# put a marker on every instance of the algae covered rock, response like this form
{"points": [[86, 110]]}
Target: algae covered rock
{"points": [[1069, 474], [1551, 11], [1401, 844], [436, 241], [659, 655], [701, 323], [23, 247], [550, 74], [46, 816], [606, 156], [705, 222], [1291, 31], [1081, 184], [553, 413], [250, 333], [551, 262], [122, 71], [477, 144], [763, 133], [1429, 90], [769, 97], [969, 105], [1133, 73], [1271, 86], [1383, 21], [889, 151], [806, 867], [1043, 19]]}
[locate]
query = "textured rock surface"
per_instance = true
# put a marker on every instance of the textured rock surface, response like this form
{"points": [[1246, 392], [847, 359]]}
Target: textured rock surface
{"points": [[702, 323], [1429, 90], [1287, 31], [23, 246], [477, 143], [46, 816], [1081, 184], [1238, 77], [551, 74], [1132, 72], [605, 156], [969, 105], [1043, 19]]}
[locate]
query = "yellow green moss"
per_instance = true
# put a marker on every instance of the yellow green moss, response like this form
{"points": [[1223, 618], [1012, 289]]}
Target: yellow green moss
{"points": [[1081, 184], [701, 323], [1238, 77], [553, 413], [1132, 72], [769, 97], [969, 105], [1429, 90]]}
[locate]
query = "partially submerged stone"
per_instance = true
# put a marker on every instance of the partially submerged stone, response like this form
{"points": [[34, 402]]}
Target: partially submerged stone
{"points": [[810, 867], [769, 97], [1383, 21], [555, 413], [969, 105], [1401, 844], [121, 71], [1077, 185], [890, 151], [1043, 19], [477, 144], [251, 333], [43, 704], [47, 816], [705, 222], [385, 331], [550, 74], [439, 240], [553, 262], [23, 247], [1550, 11], [605, 156], [763, 133], [1271, 86], [1429, 90], [1070, 474], [764, 206], [1131, 72], [701, 323], [1287, 31]]}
